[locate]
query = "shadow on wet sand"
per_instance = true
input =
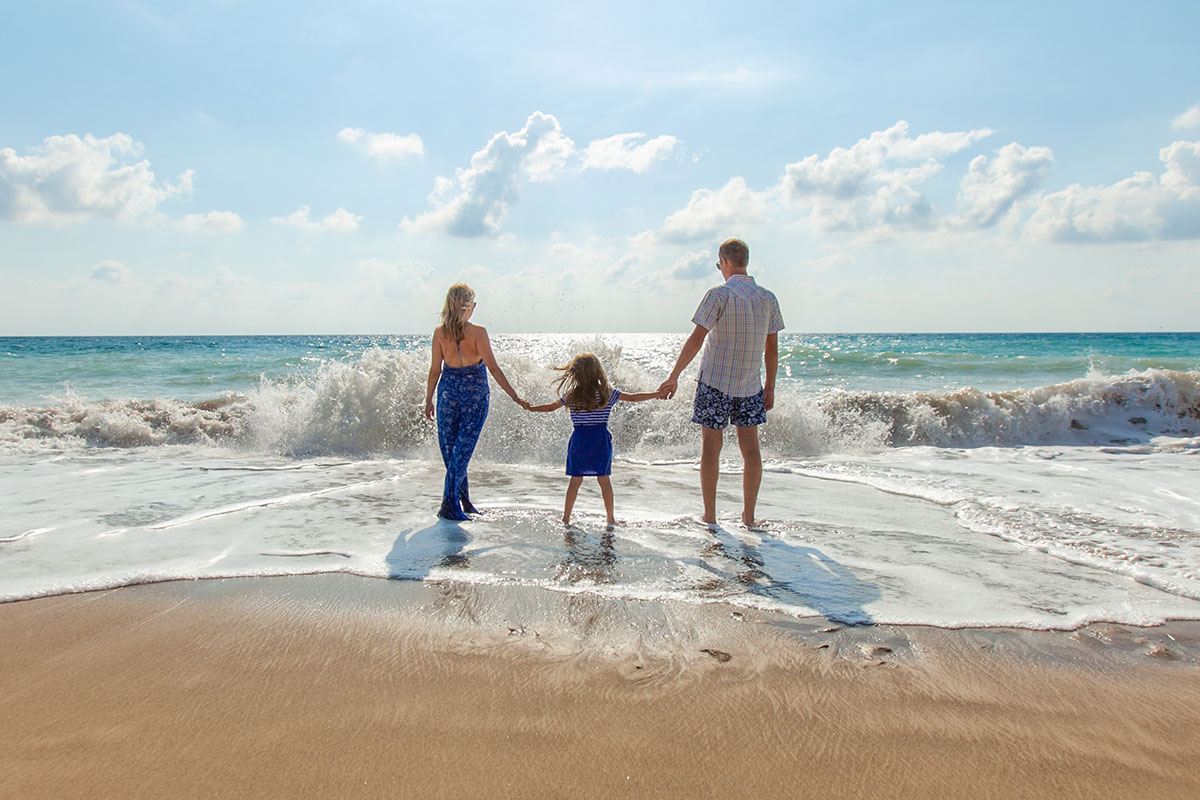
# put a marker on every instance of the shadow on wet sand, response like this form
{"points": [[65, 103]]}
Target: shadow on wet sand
{"points": [[414, 555], [794, 575]]}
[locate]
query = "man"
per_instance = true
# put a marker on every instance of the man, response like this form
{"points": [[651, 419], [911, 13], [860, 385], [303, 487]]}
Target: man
{"points": [[741, 322]]}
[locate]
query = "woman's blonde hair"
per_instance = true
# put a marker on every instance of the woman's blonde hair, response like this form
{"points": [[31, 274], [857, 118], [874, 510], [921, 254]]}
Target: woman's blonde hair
{"points": [[459, 302], [583, 384]]}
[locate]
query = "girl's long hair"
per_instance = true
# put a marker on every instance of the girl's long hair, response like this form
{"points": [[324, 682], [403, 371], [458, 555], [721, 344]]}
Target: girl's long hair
{"points": [[454, 314], [583, 384]]}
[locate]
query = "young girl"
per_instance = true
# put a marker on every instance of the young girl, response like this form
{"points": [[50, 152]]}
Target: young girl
{"points": [[585, 391]]}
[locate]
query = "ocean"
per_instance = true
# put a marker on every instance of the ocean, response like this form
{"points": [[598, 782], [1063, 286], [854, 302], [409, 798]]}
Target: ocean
{"points": [[1038, 481]]}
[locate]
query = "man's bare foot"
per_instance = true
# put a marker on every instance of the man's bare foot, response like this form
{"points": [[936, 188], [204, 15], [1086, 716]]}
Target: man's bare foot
{"points": [[610, 525], [751, 525], [566, 521]]}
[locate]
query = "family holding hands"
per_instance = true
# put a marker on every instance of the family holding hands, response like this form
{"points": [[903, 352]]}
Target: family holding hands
{"points": [[737, 325]]}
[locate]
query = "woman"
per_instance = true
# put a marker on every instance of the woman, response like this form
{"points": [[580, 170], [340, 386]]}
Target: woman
{"points": [[462, 394]]}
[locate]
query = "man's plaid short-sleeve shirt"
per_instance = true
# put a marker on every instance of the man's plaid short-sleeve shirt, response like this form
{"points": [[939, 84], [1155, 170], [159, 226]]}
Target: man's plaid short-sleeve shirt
{"points": [[738, 316]]}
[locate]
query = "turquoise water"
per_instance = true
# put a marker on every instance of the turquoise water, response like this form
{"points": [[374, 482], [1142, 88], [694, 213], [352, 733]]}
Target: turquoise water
{"points": [[997, 479], [37, 370]]}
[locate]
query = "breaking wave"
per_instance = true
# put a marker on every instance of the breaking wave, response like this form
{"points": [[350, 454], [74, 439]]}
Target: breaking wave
{"points": [[373, 406]]}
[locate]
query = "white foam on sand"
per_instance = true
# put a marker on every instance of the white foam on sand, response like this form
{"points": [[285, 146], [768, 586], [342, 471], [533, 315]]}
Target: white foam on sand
{"points": [[1024, 537]]}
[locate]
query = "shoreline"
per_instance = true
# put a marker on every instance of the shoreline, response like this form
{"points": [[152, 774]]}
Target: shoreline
{"points": [[351, 686]]}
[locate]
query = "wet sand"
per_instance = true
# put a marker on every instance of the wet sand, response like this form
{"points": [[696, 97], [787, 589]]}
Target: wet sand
{"points": [[350, 687]]}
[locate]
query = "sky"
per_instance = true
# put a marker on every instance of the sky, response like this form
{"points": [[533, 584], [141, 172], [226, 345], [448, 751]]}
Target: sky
{"points": [[222, 167]]}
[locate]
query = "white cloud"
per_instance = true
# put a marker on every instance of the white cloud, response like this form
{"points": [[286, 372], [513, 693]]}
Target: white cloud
{"points": [[1137, 208], [386, 147], [375, 272], [694, 266], [1188, 120], [340, 221], [991, 187], [873, 182], [71, 178], [211, 223], [742, 78], [620, 152], [110, 271], [718, 213], [476, 201]]}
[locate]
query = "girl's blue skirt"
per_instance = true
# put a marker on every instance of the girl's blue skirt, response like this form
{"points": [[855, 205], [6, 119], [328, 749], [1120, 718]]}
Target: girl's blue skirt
{"points": [[590, 451]]}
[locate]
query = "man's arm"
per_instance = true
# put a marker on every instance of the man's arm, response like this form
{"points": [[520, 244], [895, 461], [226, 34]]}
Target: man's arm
{"points": [[690, 348], [771, 355]]}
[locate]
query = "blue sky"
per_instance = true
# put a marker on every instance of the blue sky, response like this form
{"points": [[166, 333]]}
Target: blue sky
{"points": [[237, 167]]}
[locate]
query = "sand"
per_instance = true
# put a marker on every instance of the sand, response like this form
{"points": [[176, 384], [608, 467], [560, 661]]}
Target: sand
{"points": [[338, 686]]}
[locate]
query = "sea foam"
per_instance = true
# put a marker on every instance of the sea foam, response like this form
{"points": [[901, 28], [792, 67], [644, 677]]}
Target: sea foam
{"points": [[373, 405]]}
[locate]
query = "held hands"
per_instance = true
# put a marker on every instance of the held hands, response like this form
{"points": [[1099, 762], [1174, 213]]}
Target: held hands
{"points": [[667, 388]]}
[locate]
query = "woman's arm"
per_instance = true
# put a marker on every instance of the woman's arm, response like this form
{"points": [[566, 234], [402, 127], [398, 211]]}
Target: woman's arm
{"points": [[485, 350], [637, 397], [435, 372]]}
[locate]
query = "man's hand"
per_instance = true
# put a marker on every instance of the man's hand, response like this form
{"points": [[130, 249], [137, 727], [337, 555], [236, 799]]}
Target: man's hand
{"points": [[768, 399], [667, 388]]}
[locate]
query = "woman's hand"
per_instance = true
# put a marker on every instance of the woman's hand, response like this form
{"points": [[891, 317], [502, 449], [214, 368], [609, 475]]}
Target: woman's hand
{"points": [[429, 409]]}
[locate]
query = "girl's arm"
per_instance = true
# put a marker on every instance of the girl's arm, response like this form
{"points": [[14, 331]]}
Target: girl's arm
{"points": [[546, 406], [435, 372], [637, 397], [485, 350]]}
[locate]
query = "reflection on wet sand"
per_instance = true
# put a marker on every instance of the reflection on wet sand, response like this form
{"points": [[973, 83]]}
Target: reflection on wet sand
{"points": [[587, 558]]}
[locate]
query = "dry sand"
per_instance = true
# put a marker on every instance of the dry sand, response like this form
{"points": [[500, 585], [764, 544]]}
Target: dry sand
{"points": [[336, 686]]}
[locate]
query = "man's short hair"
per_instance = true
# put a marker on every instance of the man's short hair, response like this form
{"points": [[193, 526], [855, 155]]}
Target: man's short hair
{"points": [[735, 252]]}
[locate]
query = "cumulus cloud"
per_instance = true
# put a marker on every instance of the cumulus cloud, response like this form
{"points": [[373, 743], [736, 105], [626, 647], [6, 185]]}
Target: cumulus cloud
{"points": [[710, 213], [992, 186], [1188, 120], [622, 152], [340, 221], [211, 223], [1138, 208], [475, 202], [384, 147], [72, 178], [110, 271], [874, 181]]}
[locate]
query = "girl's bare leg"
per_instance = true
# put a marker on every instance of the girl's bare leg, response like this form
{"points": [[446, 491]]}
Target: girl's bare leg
{"points": [[607, 493], [572, 492]]}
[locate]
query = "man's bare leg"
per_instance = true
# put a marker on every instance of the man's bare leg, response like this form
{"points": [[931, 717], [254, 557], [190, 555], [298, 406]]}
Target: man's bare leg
{"points": [[572, 492], [751, 471], [710, 470]]}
